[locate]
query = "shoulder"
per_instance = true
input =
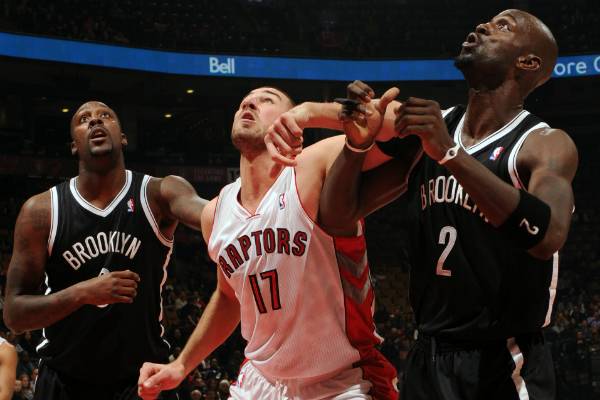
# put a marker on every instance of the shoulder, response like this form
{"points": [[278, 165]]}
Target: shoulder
{"points": [[318, 157], [36, 211], [549, 145], [170, 185], [208, 218], [7, 352]]}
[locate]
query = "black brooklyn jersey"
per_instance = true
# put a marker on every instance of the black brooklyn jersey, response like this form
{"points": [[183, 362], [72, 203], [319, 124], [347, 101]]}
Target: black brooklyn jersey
{"points": [[467, 280], [107, 342]]}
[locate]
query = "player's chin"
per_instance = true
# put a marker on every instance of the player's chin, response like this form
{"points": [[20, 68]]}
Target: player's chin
{"points": [[99, 151]]}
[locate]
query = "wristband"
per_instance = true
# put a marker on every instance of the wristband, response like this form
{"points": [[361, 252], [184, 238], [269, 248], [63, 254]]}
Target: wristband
{"points": [[450, 154], [528, 223], [356, 149]]}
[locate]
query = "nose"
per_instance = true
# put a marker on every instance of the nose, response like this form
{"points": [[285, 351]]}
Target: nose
{"points": [[483, 29], [249, 102], [95, 121]]}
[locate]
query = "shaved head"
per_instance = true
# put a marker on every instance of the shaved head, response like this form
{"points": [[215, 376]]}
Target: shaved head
{"points": [[539, 42]]}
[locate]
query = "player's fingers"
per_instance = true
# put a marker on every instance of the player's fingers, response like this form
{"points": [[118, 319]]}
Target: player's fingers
{"points": [[148, 393], [387, 98], [416, 101], [128, 283], [278, 157], [127, 274], [359, 90], [117, 298], [366, 88], [416, 130], [280, 142], [126, 291], [415, 110], [411, 119], [146, 371], [284, 131], [293, 127]]}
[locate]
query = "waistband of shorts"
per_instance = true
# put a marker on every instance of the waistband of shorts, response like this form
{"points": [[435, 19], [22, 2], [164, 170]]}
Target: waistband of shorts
{"points": [[436, 344], [299, 380]]}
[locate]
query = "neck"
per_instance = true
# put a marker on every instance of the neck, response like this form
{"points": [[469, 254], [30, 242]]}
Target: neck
{"points": [[489, 110], [257, 173], [100, 187]]}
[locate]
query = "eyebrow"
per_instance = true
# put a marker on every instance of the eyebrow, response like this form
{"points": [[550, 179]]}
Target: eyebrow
{"points": [[510, 16], [267, 91], [80, 113]]}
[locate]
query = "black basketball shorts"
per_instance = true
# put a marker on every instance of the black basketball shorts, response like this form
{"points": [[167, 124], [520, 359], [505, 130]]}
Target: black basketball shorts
{"points": [[513, 369]]}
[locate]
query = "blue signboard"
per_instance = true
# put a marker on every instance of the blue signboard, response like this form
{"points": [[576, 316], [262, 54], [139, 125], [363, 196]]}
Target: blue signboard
{"points": [[38, 48]]}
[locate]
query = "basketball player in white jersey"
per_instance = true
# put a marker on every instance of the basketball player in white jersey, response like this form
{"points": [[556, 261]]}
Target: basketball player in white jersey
{"points": [[303, 297], [8, 368]]}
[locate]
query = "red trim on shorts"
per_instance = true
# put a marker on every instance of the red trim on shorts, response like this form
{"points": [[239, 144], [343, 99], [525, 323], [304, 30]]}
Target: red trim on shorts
{"points": [[235, 383], [360, 326]]}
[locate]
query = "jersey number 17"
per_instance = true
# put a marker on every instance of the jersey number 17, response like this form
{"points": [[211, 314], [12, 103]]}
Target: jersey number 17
{"points": [[273, 279]]}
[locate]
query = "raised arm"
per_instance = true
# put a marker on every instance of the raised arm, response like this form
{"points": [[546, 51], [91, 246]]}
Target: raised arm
{"points": [[25, 308], [537, 217], [284, 138]]}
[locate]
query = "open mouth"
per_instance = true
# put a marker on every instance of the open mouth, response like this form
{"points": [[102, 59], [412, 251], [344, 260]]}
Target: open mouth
{"points": [[471, 40], [98, 134], [247, 116]]}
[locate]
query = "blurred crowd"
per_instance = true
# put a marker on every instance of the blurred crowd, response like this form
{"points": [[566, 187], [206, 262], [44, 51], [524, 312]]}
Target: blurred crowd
{"points": [[334, 28]]}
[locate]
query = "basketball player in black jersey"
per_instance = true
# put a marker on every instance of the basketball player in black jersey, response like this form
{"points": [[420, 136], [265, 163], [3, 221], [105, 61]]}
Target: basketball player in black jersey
{"points": [[491, 202], [101, 242]]}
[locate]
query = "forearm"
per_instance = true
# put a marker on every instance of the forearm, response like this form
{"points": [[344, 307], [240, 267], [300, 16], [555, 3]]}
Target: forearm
{"points": [[31, 312], [339, 201], [220, 318], [323, 115], [495, 198]]}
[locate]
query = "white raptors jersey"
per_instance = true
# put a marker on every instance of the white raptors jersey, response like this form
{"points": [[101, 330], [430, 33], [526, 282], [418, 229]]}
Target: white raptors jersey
{"points": [[286, 276]]}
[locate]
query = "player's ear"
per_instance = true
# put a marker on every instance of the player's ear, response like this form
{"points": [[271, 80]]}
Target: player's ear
{"points": [[73, 148], [124, 141], [530, 62]]}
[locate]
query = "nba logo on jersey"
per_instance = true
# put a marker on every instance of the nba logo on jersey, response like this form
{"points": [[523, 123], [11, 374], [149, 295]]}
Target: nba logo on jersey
{"points": [[282, 201], [130, 205], [496, 153]]}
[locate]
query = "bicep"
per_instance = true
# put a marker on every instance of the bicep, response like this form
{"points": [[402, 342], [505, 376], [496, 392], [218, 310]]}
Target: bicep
{"points": [[552, 161], [30, 252], [182, 200]]}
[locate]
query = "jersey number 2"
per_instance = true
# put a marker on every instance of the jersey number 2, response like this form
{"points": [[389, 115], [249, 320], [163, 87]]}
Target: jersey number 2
{"points": [[447, 237], [273, 279]]}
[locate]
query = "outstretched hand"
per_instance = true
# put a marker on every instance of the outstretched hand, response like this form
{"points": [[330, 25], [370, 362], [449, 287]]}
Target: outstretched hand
{"points": [[362, 122]]}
